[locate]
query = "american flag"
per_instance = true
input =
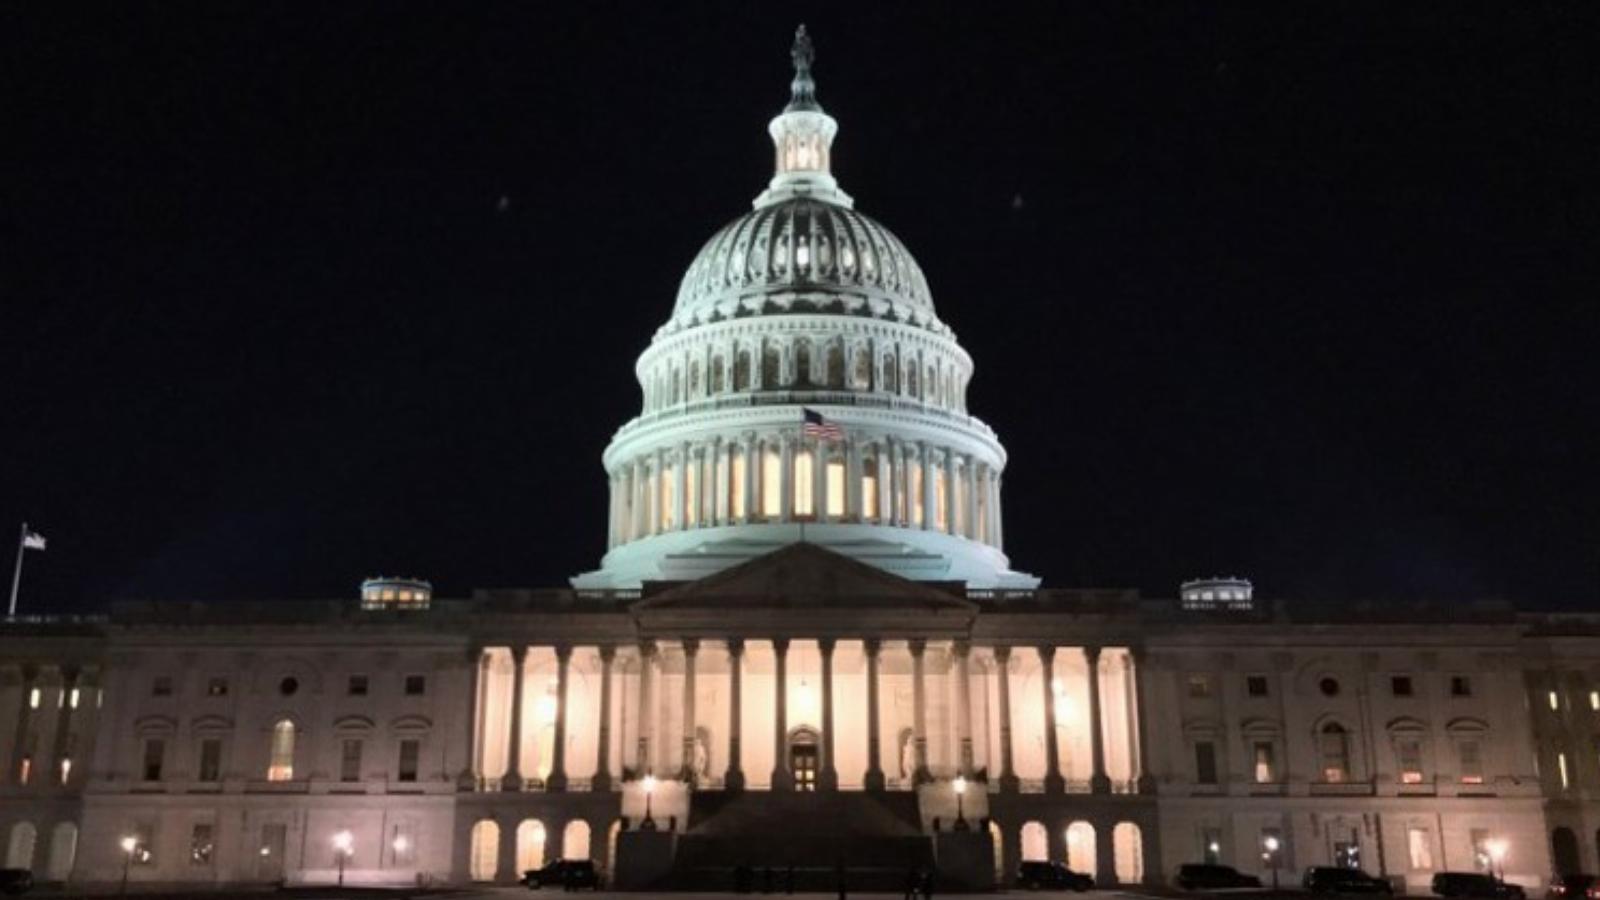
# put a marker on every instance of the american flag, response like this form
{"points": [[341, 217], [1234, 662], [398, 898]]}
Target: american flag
{"points": [[820, 428]]}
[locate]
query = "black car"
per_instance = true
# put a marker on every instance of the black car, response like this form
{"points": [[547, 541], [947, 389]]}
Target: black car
{"points": [[1573, 887], [571, 874], [1474, 884], [15, 881], [1209, 876], [1040, 875], [1340, 880]]}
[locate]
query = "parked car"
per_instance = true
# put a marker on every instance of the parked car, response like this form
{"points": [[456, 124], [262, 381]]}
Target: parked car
{"points": [[567, 873], [1210, 877], [1475, 884], [15, 881], [1342, 880], [1573, 887], [1040, 875]]}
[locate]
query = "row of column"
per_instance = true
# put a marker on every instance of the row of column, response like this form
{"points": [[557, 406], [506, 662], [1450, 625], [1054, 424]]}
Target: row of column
{"points": [[893, 482], [28, 763], [827, 775]]}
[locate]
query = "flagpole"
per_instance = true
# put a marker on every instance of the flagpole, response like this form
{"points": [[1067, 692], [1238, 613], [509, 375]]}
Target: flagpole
{"points": [[16, 574]]}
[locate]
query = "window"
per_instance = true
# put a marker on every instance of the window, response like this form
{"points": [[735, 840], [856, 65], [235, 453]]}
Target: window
{"points": [[1273, 838], [403, 844], [1554, 697], [217, 687], [1419, 844], [1561, 769], [161, 686], [201, 844], [25, 770], [143, 842], [1256, 685], [836, 485], [1334, 744], [1481, 860], [1400, 685], [736, 487], [1409, 752], [804, 490], [281, 768], [73, 696], [1471, 758], [410, 750], [350, 760], [35, 697], [1264, 773], [211, 759], [155, 750], [66, 769], [1594, 700], [869, 491], [1329, 687], [1199, 686], [416, 685], [1460, 686], [356, 686], [771, 482], [1205, 762], [289, 686]]}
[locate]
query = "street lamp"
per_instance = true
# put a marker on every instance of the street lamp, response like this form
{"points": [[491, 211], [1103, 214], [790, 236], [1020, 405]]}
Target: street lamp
{"points": [[1269, 855], [649, 784], [1497, 854], [343, 846], [400, 846], [960, 784], [129, 844]]}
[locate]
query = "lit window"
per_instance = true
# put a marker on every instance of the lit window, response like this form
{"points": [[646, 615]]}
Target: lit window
{"points": [[1409, 752], [1199, 686], [940, 512], [1594, 700], [25, 770], [1419, 842], [869, 494], [736, 487], [1482, 859], [35, 697], [914, 494], [771, 482], [66, 768], [281, 768], [201, 844], [1561, 766], [803, 487], [836, 486], [692, 486], [668, 482], [1263, 762], [1335, 747], [73, 697], [1471, 756], [1555, 700]]}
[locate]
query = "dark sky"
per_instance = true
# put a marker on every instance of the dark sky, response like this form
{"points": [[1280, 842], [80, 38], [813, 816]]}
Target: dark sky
{"points": [[1295, 291]]}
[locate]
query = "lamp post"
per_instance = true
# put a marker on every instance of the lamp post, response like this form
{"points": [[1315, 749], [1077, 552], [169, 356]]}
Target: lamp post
{"points": [[343, 845], [129, 845], [960, 785], [649, 822], [1497, 855], [1269, 855], [400, 846]]}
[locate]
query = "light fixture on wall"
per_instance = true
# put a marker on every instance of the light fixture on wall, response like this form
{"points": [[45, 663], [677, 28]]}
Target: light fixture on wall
{"points": [[343, 845], [649, 785]]}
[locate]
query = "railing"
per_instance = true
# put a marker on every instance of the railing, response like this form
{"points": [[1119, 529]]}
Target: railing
{"points": [[790, 398]]}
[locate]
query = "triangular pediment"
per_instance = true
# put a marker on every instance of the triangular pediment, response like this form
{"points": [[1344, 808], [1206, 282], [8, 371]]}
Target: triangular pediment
{"points": [[804, 576]]}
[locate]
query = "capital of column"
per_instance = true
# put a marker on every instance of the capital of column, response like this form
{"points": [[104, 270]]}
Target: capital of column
{"points": [[647, 649], [917, 646], [563, 652], [691, 646], [736, 647], [1091, 653], [519, 654], [961, 649], [608, 653], [1002, 654], [826, 645], [780, 645], [1047, 652], [872, 646]]}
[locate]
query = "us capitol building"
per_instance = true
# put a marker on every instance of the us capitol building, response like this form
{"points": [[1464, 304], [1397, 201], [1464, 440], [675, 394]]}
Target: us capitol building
{"points": [[804, 646]]}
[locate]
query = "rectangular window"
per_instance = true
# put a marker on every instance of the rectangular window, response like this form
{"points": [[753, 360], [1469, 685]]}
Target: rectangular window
{"points": [[161, 686], [72, 698], [1264, 769], [1409, 751], [1271, 838], [217, 687], [410, 750], [25, 770], [155, 750], [356, 686], [416, 685], [1205, 762], [1460, 686], [667, 507], [35, 698], [1561, 770], [1594, 700], [201, 844], [211, 759], [691, 480], [869, 492], [1471, 754], [836, 486], [1256, 685], [940, 514], [1419, 845], [736, 487], [350, 760], [1481, 860], [804, 489], [771, 482], [1554, 698], [914, 494], [1400, 685], [143, 844], [66, 769], [1199, 686]]}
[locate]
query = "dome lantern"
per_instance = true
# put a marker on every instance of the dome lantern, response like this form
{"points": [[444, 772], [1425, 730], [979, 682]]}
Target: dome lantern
{"points": [[802, 138]]}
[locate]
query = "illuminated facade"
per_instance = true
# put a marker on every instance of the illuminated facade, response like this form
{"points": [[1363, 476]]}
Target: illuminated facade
{"points": [[796, 698]]}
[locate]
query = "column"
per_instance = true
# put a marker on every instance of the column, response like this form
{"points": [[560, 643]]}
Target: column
{"points": [[781, 778], [874, 776], [680, 492], [902, 482], [1009, 783], [513, 777], [654, 487], [963, 654], [558, 750], [786, 480], [819, 479], [734, 779], [950, 492], [919, 711], [1136, 667], [828, 776], [721, 481], [969, 472], [647, 659], [1053, 782], [750, 461], [999, 541], [611, 515], [853, 504], [19, 743], [926, 461], [691, 649], [602, 762], [885, 488], [477, 679], [1098, 782]]}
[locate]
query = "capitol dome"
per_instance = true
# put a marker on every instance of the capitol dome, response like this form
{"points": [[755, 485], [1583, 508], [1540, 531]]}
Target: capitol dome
{"points": [[803, 389]]}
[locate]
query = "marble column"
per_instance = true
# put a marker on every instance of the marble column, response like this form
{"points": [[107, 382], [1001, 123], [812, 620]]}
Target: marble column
{"points": [[1053, 782], [885, 484], [1009, 783], [919, 712], [969, 474], [950, 493], [647, 659], [558, 746], [680, 493], [999, 541], [734, 779], [513, 777], [874, 780], [786, 480], [478, 677], [828, 776], [691, 650], [782, 779], [751, 460], [1137, 666], [602, 762], [1098, 782], [925, 459], [819, 480], [853, 507], [963, 654]]}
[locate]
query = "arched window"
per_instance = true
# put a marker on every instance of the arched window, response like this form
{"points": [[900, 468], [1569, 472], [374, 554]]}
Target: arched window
{"points": [[861, 372], [485, 850], [63, 851], [19, 850], [694, 379], [530, 845], [889, 381], [1035, 843], [835, 373], [804, 487], [1334, 744], [1564, 851], [741, 371], [281, 765], [1127, 844], [931, 386], [575, 840], [771, 368], [716, 376], [869, 487], [677, 386], [1080, 848], [911, 380], [802, 363]]}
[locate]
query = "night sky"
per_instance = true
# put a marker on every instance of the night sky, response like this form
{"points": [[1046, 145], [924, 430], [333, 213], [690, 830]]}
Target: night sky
{"points": [[295, 294]]}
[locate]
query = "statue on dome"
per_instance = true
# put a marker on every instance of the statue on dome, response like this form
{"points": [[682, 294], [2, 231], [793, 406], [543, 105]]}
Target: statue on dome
{"points": [[802, 90]]}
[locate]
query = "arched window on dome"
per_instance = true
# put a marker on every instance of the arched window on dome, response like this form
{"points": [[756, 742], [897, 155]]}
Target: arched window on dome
{"points": [[771, 368], [716, 376], [911, 380], [932, 385], [694, 380], [861, 371], [741, 371], [890, 382], [835, 367], [802, 363]]}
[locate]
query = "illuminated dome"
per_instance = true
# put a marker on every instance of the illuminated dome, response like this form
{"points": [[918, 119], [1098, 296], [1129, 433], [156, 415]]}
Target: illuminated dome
{"points": [[804, 310]]}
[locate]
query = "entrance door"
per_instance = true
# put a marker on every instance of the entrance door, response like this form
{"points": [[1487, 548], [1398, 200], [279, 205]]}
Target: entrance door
{"points": [[269, 860], [803, 763], [1347, 852]]}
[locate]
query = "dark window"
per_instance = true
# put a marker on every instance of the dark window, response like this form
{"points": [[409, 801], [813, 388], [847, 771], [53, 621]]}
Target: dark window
{"points": [[1400, 685], [1329, 687], [1460, 686], [211, 759], [155, 750], [1205, 762], [1199, 686], [350, 761], [201, 844], [1256, 685], [410, 750], [357, 686], [416, 685], [162, 686], [217, 687], [289, 686]]}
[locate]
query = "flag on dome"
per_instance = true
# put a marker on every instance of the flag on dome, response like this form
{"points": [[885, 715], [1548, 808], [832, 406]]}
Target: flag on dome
{"points": [[32, 540], [818, 426]]}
